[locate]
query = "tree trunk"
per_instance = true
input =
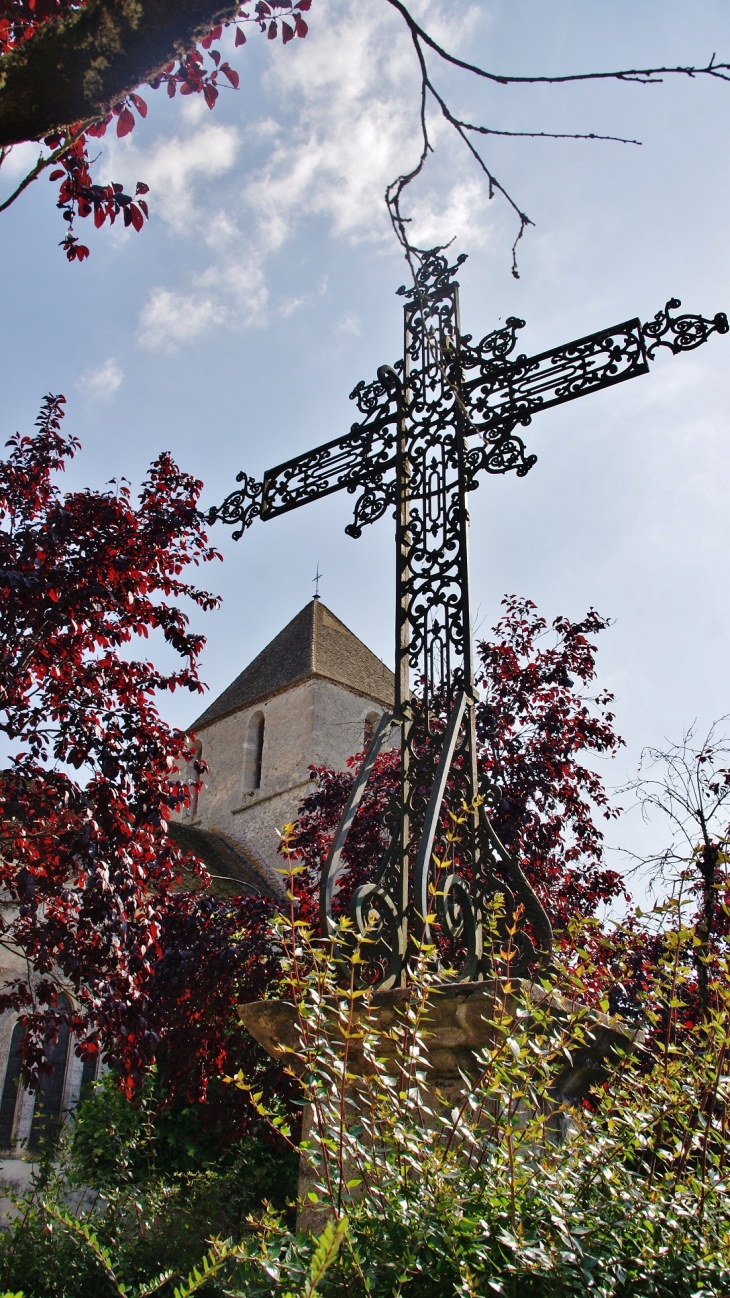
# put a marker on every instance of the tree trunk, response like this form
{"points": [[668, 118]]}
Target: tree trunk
{"points": [[77, 66], [706, 924]]}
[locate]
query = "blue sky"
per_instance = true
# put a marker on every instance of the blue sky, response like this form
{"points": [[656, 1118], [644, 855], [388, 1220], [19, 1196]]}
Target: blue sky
{"points": [[232, 329]]}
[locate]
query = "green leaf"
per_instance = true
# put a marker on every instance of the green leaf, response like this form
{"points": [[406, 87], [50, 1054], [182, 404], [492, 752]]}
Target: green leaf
{"points": [[328, 1246]]}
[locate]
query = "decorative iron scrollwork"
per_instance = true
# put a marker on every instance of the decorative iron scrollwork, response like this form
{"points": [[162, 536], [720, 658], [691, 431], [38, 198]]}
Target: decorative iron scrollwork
{"points": [[503, 455], [680, 333], [430, 426], [242, 506], [504, 393], [433, 276], [361, 461]]}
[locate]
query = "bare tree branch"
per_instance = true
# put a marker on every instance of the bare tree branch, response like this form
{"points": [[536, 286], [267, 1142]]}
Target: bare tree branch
{"points": [[421, 38], [692, 790], [39, 167], [644, 76]]}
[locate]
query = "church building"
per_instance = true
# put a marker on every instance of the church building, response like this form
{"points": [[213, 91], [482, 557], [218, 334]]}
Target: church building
{"points": [[312, 697]]}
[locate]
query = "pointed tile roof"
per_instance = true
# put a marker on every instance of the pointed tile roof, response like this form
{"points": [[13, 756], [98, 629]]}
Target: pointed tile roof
{"points": [[314, 644]]}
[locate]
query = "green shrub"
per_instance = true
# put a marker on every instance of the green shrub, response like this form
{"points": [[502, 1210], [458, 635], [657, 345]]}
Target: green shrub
{"points": [[154, 1189], [427, 1199]]}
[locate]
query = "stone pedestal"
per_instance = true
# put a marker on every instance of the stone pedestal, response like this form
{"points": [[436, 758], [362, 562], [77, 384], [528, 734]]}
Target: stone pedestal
{"points": [[456, 1027]]}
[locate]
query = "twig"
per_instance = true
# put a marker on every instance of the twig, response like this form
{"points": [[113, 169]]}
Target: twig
{"points": [[643, 76], [421, 38], [41, 165]]}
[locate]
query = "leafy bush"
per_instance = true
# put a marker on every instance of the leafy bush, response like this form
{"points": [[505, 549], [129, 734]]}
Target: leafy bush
{"points": [[153, 1187], [503, 1190]]}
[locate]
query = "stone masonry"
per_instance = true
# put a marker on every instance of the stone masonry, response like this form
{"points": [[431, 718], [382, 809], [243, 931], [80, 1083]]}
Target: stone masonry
{"points": [[310, 698]]}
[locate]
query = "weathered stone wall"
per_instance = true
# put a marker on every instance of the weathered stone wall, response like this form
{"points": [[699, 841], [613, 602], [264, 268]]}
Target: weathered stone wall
{"points": [[315, 723]]}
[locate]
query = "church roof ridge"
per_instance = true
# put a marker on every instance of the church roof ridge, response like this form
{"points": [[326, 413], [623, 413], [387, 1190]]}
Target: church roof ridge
{"points": [[315, 644]]}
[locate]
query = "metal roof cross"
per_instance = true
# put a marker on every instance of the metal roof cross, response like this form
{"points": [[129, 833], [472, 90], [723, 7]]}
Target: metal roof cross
{"points": [[430, 426]]}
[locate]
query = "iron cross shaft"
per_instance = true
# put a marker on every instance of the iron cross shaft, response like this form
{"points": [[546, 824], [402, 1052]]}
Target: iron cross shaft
{"points": [[431, 425]]}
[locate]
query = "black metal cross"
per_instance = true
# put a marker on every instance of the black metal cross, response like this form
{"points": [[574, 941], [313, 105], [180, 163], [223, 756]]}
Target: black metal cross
{"points": [[446, 413]]}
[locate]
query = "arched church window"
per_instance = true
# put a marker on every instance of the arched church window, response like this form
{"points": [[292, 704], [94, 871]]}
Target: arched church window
{"points": [[88, 1072], [369, 728], [253, 755], [49, 1096], [194, 777], [10, 1088]]}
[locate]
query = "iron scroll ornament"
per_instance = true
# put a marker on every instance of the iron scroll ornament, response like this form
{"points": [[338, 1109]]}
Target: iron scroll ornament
{"points": [[504, 394], [430, 426]]}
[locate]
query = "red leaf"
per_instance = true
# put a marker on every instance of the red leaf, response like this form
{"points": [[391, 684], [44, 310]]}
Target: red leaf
{"points": [[171, 88], [232, 75], [272, 30], [287, 32], [125, 123], [304, 4], [136, 216], [240, 37], [142, 188], [57, 174], [99, 217], [139, 104], [301, 26], [215, 35], [99, 128], [144, 207], [210, 94]]}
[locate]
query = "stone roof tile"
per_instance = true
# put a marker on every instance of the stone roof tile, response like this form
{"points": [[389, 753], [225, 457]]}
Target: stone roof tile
{"points": [[314, 644], [234, 869]]}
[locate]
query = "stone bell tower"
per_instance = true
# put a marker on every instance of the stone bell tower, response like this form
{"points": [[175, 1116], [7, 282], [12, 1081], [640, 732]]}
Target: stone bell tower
{"points": [[311, 698]]}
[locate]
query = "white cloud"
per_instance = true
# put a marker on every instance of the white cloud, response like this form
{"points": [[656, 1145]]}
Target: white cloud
{"points": [[357, 128], [291, 305], [172, 169], [349, 324], [101, 383], [172, 318], [175, 166], [20, 159], [193, 108], [344, 123]]}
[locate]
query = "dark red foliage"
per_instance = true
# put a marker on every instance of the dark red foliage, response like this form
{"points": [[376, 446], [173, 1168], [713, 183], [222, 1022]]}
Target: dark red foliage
{"points": [[215, 954], [535, 722], [92, 881], [79, 195], [89, 783]]}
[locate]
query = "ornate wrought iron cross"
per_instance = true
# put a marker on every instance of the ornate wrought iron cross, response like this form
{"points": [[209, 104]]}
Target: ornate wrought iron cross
{"points": [[431, 425]]}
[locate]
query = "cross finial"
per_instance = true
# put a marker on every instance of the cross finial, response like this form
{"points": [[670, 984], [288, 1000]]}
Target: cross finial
{"points": [[316, 579]]}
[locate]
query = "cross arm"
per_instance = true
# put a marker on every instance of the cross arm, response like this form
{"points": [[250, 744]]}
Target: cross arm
{"points": [[359, 461], [502, 393]]}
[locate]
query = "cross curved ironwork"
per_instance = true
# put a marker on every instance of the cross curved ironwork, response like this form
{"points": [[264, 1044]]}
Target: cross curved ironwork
{"points": [[431, 425]]}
